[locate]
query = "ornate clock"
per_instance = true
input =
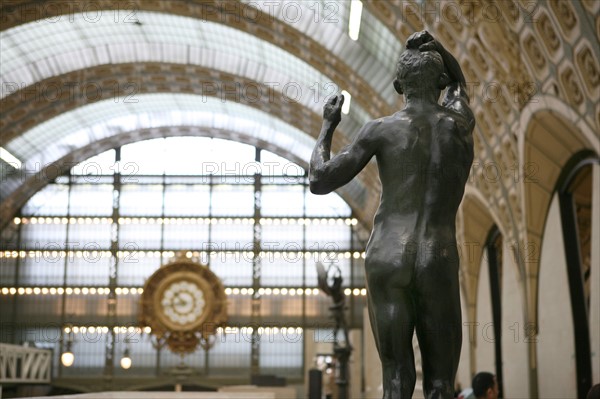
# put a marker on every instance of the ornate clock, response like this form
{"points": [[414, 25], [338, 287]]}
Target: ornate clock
{"points": [[183, 303]]}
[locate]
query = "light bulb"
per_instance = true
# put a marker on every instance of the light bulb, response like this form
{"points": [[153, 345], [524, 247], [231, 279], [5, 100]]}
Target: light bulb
{"points": [[67, 358], [126, 362]]}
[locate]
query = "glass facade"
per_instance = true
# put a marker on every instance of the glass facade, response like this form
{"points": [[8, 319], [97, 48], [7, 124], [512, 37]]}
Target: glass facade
{"points": [[74, 262]]}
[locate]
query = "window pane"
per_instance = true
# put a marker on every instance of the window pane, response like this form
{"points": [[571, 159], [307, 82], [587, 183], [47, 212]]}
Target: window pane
{"points": [[231, 237], [326, 205], [141, 200], [185, 200], [281, 353], [275, 165], [91, 236], [231, 350], [282, 200], [232, 268], [43, 236], [282, 270], [185, 236], [283, 237], [327, 237], [51, 200], [135, 268], [144, 157], [229, 200], [91, 200], [88, 269], [139, 236], [102, 164], [8, 267], [43, 268]]}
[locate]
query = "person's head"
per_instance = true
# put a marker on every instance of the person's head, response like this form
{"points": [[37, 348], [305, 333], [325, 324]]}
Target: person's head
{"points": [[594, 392], [485, 386], [420, 72]]}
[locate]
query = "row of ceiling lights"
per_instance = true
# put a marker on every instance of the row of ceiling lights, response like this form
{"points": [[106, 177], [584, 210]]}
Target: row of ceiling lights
{"points": [[187, 220], [67, 358], [96, 255], [69, 291], [148, 330], [139, 291]]}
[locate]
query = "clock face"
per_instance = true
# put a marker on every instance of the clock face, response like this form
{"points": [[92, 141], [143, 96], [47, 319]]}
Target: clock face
{"points": [[183, 302]]}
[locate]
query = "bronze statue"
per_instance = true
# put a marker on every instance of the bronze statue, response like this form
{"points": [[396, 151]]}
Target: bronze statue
{"points": [[342, 352], [424, 154], [336, 292]]}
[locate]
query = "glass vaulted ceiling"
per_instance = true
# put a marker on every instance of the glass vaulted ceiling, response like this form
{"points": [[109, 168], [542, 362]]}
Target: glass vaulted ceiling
{"points": [[49, 141], [38, 50], [34, 51], [58, 136], [373, 56]]}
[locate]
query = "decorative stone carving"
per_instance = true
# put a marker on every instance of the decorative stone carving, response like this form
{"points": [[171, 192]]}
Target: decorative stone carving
{"points": [[484, 126], [510, 12], [548, 34], [535, 55], [479, 59], [446, 37], [493, 116], [412, 14], [598, 117], [504, 214], [587, 65], [571, 86], [564, 15], [469, 72], [593, 6], [496, 36]]}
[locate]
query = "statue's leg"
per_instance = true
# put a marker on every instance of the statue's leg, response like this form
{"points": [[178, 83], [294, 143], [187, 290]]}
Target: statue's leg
{"points": [[392, 320], [438, 323]]}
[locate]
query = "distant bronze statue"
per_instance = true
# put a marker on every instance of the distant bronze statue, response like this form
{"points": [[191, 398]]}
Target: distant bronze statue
{"points": [[424, 154], [336, 292], [342, 352]]}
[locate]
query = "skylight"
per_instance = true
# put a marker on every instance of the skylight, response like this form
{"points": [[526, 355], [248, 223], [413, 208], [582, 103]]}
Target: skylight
{"points": [[9, 158], [355, 18], [346, 105]]}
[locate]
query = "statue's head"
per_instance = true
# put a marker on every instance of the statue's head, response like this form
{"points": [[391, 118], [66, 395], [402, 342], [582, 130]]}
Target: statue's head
{"points": [[419, 72]]}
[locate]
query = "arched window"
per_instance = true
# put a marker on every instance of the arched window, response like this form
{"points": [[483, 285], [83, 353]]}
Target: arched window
{"points": [[104, 228], [574, 191], [493, 246]]}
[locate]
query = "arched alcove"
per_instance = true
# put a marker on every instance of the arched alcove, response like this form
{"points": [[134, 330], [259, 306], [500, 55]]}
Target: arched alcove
{"points": [[565, 286], [553, 139]]}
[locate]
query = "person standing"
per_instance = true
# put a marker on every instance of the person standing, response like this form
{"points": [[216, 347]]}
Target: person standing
{"points": [[485, 386]]}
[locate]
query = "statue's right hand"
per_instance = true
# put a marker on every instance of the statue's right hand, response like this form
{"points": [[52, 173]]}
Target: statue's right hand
{"points": [[415, 40], [332, 111]]}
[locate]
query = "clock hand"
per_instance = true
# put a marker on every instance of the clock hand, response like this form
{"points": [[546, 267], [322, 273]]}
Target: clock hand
{"points": [[179, 300]]}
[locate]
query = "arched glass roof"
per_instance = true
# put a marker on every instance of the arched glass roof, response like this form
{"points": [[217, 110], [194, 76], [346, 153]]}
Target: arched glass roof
{"points": [[38, 50], [181, 155], [55, 138], [32, 52], [373, 55]]}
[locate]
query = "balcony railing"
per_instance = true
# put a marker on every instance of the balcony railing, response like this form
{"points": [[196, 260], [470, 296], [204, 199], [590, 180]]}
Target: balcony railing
{"points": [[21, 364]]}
